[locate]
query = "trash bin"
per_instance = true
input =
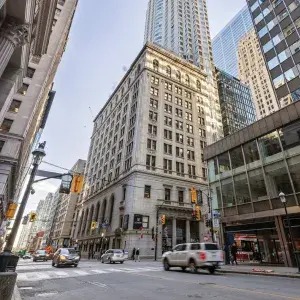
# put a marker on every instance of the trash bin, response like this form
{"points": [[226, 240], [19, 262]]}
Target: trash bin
{"points": [[8, 263], [297, 257]]}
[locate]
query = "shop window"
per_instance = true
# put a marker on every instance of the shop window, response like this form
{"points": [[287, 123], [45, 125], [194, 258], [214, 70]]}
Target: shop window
{"points": [[6, 125], [251, 152], [236, 156], [224, 163], [257, 185], [227, 193], [241, 189], [147, 191], [269, 145]]}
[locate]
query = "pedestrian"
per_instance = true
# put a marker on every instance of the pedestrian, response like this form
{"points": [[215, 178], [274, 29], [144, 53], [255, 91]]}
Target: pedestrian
{"points": [[133, 253], [234, 253], [137, 254]]}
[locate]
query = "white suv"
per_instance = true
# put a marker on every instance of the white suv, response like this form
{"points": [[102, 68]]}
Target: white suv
{"points": [[194, 256]]}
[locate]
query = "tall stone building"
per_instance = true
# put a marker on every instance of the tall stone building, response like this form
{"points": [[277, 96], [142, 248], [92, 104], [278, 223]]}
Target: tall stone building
{"points": [[146, 156], [33, 38], [181, 26], [254, 73]]}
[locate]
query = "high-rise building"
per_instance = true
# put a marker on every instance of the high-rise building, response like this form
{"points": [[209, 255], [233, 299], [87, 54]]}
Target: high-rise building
{"points": [[225, 44], [33, 40], [181, 26], [236, 104], [145, 157], [24, 235], [63, 221], [277, 25], [253, 72]]}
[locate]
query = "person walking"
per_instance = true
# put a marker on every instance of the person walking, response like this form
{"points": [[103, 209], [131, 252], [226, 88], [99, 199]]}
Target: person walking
{"points": [[137, 254], [234, 253], [133, 253]]}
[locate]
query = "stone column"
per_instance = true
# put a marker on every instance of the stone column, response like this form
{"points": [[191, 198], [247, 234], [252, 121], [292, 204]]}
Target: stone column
{"points": [[187, 231], [12, 36], [174, 235]]}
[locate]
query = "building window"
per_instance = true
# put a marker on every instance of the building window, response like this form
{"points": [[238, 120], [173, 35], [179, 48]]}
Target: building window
{"points": [[168, 134], [6, 125], [188, 105], [198, 85], [180, 168], [189, 128], [204, 173], [145, 222], [23, 89], [168, 86], [188, 116], [152, 129], [178, 90], [154, 80], [1, 145], [190, 141], [190, 155], [168, 108], [179, 138], [178, 112], [168, 121], [151, 144], [14, 107], [192, 171], [150, 162], [167, 194], [168, 149], [155, 65], [147, 191], [153, 103], [167, 166], [154, 91], [30, 72], [168, 97], [178, 76], [180, 196], [124, 193], [152, 115], [168, 71], [187, 79]]}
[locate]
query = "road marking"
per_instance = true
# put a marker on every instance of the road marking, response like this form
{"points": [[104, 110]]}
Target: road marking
{"points": [[102, 285], [46, 294], [26, 288], [81, 272], [99, 271], [61, 273], [254, 292], [115, 270]]}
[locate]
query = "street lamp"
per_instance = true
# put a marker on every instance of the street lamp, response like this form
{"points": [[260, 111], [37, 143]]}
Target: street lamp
{"points": [[38, 155], [283, 201]]}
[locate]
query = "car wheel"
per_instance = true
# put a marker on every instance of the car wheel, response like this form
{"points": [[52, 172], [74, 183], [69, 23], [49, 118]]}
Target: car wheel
{"points": [[192, 266], [75, 265], [102, 260], [114, 262], [53, 264], [34, 260], [166, 265], [183, 268], [212, 270], [109, 261], [121, 262]]}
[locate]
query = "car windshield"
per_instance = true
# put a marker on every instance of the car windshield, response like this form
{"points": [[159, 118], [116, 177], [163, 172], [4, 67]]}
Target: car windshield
{"points": [[118, 251], [67, 251], [40, 252], [211, 247]]}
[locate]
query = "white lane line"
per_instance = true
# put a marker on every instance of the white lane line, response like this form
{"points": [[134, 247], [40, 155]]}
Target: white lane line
{"points": [[99, 284], [81, 272], [114, 270], [26, 288], [99, 271], [61, 273], [46, 294], [128, 270]]}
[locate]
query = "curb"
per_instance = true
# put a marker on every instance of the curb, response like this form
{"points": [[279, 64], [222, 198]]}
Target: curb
{"points": [[260, 274], [16, 294]]}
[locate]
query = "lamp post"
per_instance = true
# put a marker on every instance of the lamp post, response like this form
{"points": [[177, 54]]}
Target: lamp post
{"points": [[38, 155], [283, 201]]}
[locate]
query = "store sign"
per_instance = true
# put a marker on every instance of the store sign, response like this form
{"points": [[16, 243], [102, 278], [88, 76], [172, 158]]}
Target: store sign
{"points": [[137, 221]]}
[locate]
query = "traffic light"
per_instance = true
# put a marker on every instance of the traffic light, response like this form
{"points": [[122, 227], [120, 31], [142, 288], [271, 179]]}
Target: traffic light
{"points": [[193, 195], [11, 210], [163, 219], [197, 213], [25, 220], [77, 183], [93, 225], [65, 186], [32, 217]]}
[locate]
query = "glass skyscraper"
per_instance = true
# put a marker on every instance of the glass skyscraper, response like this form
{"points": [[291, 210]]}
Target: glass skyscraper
{"points": [[225, 44], [181, 26]]}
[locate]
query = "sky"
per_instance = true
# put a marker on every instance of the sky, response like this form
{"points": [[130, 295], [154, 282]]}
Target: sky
{"points": [[104, 40]]}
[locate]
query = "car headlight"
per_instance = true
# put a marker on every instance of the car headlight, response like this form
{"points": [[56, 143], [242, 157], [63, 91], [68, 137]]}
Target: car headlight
{"points": [[62, 257], [77, 257]]}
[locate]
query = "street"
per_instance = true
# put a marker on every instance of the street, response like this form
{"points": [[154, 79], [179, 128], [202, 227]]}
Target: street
{"points": [[144, 280]]}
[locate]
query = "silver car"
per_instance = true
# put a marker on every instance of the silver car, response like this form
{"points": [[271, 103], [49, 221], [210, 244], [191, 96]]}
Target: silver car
{"points": [[113, 256]]}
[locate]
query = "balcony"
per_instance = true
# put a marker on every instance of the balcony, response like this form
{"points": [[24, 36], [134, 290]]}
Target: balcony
{"points": [[174, 205]]}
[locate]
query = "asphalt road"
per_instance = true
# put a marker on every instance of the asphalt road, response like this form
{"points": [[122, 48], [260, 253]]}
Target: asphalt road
{"points": [[145, 280]]}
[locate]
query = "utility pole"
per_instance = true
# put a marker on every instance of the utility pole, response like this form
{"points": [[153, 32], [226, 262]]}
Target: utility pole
{"points": [[211, 216], [38, 155]]}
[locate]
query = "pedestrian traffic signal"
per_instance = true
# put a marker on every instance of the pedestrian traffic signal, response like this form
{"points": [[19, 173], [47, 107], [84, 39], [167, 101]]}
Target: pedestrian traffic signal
{"points": [[163, 219], [193, 195], [11, 210], [77, 183], [33, 217], [197, 213], [93, 225]]}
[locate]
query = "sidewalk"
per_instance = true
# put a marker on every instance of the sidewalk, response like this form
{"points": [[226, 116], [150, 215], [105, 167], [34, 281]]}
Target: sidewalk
{"points": [[262, 270], [16, 294]]}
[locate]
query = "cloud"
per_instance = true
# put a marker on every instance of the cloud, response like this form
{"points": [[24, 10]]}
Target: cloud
{"points": [[45, 186]]}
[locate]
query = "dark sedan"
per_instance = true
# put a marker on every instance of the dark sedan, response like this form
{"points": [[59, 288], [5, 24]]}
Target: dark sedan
{"points": [[65, 257]]}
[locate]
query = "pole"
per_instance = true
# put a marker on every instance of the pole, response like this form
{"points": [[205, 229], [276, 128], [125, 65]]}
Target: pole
{"points": [[291, 236], [156, 233], [13, 234], [211, 216]]}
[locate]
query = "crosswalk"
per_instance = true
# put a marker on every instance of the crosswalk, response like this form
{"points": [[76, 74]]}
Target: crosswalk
{"points": [[46, 275]]}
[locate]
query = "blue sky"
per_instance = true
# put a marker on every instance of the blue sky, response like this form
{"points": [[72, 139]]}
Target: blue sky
{"points": [[104, 39]]}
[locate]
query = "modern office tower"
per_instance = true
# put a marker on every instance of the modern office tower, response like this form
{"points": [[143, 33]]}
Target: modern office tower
{"points": [[33, 39], [277, 25], [254, 73], [181, 26], [225, 44], [236, 104], [146, 152], [63, 221]]}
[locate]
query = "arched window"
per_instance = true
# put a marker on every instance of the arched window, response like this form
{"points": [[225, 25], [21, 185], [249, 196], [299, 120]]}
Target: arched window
{"points": [[155, 65], [178, 75], [122, 91], [198, 85], [168, 71], [187, 79]]}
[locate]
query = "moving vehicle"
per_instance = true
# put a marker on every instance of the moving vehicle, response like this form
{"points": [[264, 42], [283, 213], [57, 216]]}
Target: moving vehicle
{"points": [[194, 256], [113, 256], [40, 255], [26, 256], [65, 257]]}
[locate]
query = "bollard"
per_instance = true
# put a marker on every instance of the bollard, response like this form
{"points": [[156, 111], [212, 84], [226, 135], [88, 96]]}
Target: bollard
{"points": [[7, 285]]}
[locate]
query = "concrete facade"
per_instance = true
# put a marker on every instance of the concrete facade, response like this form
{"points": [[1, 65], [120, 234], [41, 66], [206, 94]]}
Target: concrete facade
{"points": [[144, 141]]}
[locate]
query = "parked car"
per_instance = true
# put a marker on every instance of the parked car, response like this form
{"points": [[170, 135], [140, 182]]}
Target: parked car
{"points": [[65, 257], [113, 256], [194, 256], [27, 256], [40, 255]]}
